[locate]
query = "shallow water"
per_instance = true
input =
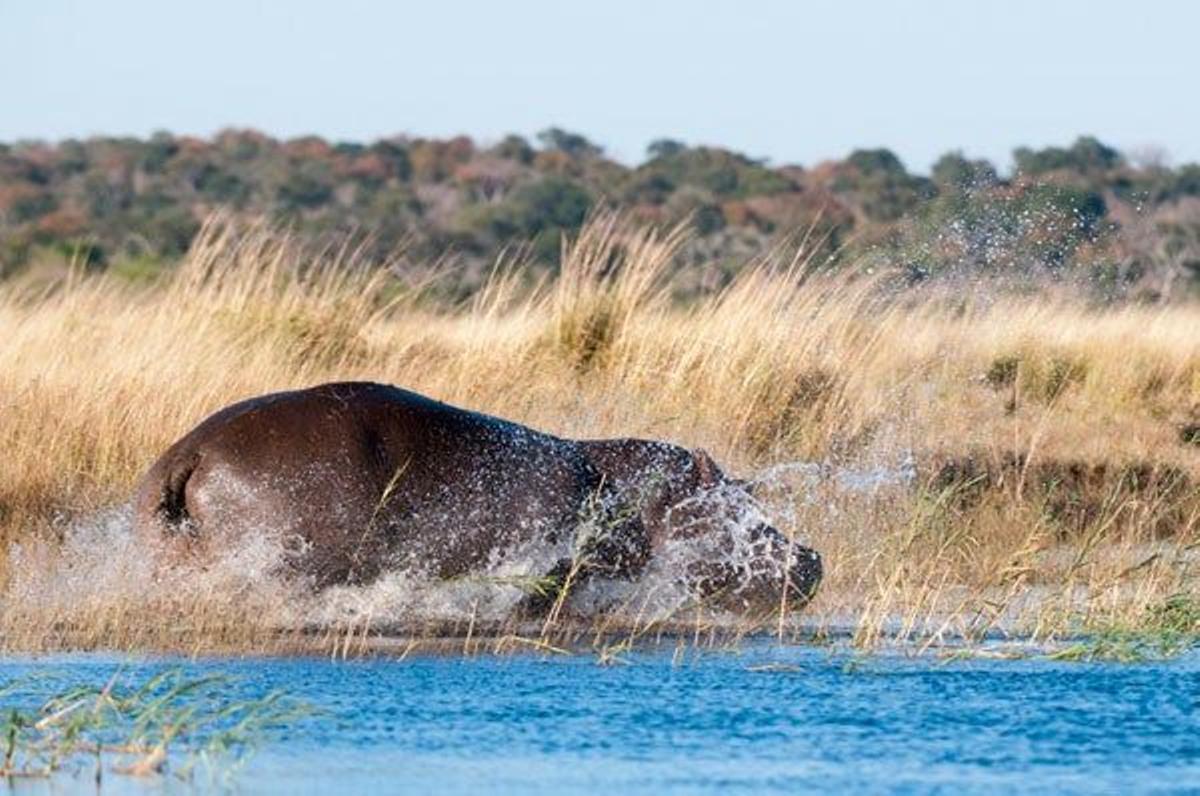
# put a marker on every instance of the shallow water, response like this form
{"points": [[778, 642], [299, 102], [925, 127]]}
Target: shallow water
{"points": [[766, 719]]}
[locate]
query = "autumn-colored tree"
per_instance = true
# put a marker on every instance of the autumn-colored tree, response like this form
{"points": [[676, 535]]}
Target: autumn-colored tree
{"points": [[1080, 208]]}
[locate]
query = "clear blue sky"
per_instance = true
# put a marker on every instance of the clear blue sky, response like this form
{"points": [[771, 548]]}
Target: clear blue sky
{"points": [[791, 81]]}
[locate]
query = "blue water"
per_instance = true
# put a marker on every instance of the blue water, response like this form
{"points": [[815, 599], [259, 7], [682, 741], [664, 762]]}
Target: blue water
{"points": [[713, 723]]}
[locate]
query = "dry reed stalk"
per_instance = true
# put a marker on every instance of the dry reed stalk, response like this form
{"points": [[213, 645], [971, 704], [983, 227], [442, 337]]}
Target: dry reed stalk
{"points": [[783, 364]]}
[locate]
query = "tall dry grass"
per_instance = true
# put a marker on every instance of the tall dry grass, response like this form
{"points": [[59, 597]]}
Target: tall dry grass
{"points": [[1054, 476]]}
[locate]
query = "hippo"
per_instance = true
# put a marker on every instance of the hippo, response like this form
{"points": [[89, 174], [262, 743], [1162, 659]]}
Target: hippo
{"points": [[361, 478]]}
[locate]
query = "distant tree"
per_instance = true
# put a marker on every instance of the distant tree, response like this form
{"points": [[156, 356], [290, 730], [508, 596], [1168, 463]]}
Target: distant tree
{"points": [[1089, 154], [718, 171], [157, 151], [61, 225], [881, 186], [349, 148], [104, 199], [755, 179], [953, 171], [244, 144], [1187, 180], [171, 230], [394, 157], [664, 148], [435, 161], [876, 161], [653, 188], [573, 144], [28, 204], [220, 185], [698, 204], [538, 211], [1086, 156], [304, 188], [132, 198], [515, 147], [550, 203], [72, 157]]}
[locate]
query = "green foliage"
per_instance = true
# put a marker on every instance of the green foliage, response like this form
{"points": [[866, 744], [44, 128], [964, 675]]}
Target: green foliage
{"points": [[954, 172], [158, 152], [1002, 372], [1187, 180], [1189, 434], [139, 270], [881, 185], [721, 173], [1043, 380], [552, 203], [32, 206], [664, 148], [1021, 230], [395, 160], [305, 187], [573, 144], [876, 162], [538, 211], [1179, 615], [72, 157], [653, 188], [1060, 374], [1086, 156], [84, 253], [220, 185], [1164, 631], [169, 723], [1055, 218], [172, 228], [515, 147]]}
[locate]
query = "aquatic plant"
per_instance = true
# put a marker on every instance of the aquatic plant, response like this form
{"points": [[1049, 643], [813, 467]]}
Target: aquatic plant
{"points": [[1165, 630], [169, 723]]}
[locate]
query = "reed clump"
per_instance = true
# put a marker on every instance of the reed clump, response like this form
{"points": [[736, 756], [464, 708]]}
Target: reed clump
{"points": [[967, 466], [166, 724]]}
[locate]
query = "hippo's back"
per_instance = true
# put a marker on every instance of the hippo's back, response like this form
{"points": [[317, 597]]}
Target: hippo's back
{"points": [[364, 475]]}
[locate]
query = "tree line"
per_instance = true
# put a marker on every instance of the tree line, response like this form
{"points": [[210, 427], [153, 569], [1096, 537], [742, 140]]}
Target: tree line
{"points": [[1086, 213]]}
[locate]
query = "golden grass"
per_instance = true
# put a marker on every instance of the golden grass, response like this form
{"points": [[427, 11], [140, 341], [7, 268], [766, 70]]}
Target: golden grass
{"points": [[1054, 490]]}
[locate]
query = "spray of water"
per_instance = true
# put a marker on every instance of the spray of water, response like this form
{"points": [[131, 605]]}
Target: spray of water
{"points": [[100, 565]]}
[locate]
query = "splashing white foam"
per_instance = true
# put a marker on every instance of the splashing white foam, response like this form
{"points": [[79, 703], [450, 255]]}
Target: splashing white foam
{"points": [[101, 563]]}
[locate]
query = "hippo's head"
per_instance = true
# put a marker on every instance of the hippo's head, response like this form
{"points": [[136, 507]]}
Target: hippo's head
{"points": [[705, 527]]}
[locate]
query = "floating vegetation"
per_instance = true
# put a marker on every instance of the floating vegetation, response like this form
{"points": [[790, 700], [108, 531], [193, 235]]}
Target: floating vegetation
{"points": [[1167, 630], [170, 724]]}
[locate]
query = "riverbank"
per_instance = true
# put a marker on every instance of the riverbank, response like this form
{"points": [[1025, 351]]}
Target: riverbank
{"points": [[966, 464]]}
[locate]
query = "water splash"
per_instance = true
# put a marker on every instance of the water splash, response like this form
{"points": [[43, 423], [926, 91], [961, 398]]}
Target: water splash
{"points": [[100, 565]]}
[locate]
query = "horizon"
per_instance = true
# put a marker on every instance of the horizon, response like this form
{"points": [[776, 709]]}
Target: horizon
{"points": [[1005, 167], [772, 81]]}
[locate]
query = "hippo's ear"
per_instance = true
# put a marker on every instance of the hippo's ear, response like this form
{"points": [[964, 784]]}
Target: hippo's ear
{"points": [[709, 472]]}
